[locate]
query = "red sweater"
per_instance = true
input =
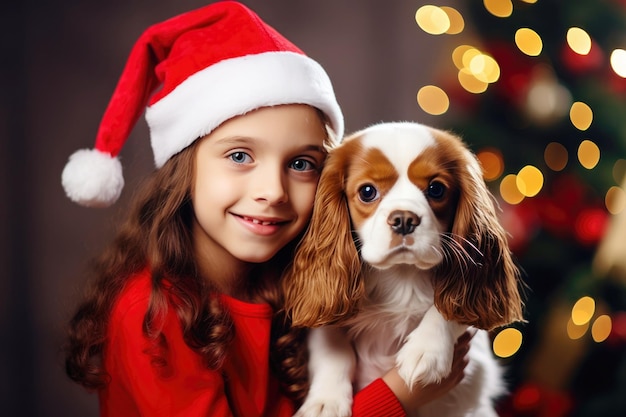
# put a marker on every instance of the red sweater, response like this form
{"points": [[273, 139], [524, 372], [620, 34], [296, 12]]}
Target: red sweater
{"points": [[144, 384]]}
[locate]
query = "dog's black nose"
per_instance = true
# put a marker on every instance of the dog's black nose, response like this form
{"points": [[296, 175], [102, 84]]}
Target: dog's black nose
{"points": [[403, 222]]}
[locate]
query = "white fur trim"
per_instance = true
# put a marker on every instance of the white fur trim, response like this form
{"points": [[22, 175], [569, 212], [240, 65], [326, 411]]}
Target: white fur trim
{"points": [[92, 178], [234, 87]]}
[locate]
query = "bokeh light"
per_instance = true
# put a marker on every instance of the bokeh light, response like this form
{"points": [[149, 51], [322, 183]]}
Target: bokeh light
{"points": [[590, 225], [555, 156], [581, 115], [509, 191], [601, 328], [529, 181], [528, 41], [432, 19], [547, 100], [507, 342], [619, 170], [575, 331], [618, 62], [499, 8], [458, 55], [457, 23], [433, 100], [476, 69], [588, 154], [615, 200], [579, 40], [583, 310], [485, 68], [527, 397], [467, 56], [471, 83], [492, 163]]}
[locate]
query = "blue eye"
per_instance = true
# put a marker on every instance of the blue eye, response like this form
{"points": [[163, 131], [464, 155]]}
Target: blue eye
{"points": [[436, 190], [368, 193], [302, 165], [240, 157]]}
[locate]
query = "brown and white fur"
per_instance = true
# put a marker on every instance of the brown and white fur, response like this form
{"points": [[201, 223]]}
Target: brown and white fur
{"points": [[404, 252]]}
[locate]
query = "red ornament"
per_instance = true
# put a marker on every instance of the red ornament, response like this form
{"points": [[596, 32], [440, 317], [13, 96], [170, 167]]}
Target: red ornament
{"points": [[590, 225], [533, 400], [555, 216], [569, 209]]}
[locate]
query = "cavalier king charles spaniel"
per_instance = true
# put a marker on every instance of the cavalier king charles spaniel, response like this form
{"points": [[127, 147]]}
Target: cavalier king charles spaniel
{"points": [[404, 253]]}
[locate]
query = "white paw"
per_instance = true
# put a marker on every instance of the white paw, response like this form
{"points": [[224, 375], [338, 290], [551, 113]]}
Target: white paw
{"points": [[424, 362], [326, 407], [328, 397]]}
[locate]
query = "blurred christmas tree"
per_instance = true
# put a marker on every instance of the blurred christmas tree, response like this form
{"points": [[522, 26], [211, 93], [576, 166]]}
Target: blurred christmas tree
{"points": [[538, 91]]}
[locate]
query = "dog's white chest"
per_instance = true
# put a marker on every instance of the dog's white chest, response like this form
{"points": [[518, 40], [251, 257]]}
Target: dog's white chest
{"points": [[397, 299]]}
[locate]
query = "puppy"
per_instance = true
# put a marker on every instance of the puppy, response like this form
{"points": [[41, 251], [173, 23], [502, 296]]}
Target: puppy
{"points": [[403, 253]]}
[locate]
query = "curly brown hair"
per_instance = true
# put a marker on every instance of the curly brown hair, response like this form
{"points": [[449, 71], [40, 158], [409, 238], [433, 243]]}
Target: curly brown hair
{"points": [[157, 234]]}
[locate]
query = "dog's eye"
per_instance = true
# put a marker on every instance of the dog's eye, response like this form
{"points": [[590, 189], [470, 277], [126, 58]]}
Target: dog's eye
{"points": [[368, 193], [436, 190]]}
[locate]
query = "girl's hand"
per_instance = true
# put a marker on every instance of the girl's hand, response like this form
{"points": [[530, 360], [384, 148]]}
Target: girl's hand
{"points": [[423, 394]]}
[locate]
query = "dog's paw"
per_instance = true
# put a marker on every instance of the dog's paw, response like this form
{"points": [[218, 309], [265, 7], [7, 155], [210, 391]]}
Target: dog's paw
{"points": [[327, 398], [326, 407], [424, 362]]}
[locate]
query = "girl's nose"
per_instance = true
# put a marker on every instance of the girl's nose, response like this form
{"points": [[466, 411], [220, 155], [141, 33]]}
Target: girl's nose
{"points": [[271, 188]]}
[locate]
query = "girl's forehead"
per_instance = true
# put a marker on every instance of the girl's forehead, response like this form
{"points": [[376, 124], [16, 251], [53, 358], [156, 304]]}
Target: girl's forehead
{"points": [[288, 125]]}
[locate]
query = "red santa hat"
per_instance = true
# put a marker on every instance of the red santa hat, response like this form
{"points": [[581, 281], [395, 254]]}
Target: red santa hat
{"points": [[209, 65]]}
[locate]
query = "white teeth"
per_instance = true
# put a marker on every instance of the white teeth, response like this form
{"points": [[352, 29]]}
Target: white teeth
{"points": [[257, 221]]}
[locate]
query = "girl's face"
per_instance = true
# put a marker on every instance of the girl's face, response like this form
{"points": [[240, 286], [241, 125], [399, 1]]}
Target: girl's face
{"points": [[255, 181]]}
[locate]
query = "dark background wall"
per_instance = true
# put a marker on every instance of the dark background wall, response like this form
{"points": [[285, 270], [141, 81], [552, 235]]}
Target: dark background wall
{"points": [[59, 64]]}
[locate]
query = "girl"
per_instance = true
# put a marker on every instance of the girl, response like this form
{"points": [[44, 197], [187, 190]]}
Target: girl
{"points": [[184, 317]]}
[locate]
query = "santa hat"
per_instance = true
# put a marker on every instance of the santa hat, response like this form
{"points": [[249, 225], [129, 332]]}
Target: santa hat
{"points": [[209, 65]]}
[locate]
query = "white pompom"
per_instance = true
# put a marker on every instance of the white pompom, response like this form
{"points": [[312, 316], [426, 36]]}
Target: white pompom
{"points": [[92, 178]]}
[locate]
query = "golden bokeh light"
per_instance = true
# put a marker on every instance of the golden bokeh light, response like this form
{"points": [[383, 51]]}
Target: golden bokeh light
{"points": [[529, 181], [588, 154], [492, 163], [509, 191], [575, 331], [618, 62], [507, 342], [457, 23], [471, 83], [579, 40], [555, 156], [484, 68], [458, 53], [528, 41], [581, 115], [530, 1], [432, 19], [615, 200], [499, 8], [433, 100], [468, 56], [476, 69], [583, 310], [601, 328]]}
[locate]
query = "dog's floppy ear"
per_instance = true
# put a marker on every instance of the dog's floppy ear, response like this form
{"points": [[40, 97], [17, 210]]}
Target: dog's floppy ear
{"points": [[323, 284], [480, 284]]}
